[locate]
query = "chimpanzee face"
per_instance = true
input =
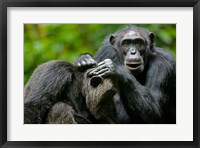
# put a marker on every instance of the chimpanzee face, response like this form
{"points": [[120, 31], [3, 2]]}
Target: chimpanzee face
{"points": [[132, 46]]}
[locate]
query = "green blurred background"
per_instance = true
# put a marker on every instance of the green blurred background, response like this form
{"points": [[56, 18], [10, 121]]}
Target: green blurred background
{"points": [[44, 42]]}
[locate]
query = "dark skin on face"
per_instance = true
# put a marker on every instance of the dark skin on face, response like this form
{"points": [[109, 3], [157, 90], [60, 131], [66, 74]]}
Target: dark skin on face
{"points": [[132, 47]]}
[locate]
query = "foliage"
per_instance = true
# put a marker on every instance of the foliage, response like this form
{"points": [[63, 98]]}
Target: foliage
{"points": [[44, 42]]}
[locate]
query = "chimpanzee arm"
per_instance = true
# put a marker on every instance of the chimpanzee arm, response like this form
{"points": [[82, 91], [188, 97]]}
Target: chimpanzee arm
{"points": [[143, 103], [139, 102], [152, 102]]}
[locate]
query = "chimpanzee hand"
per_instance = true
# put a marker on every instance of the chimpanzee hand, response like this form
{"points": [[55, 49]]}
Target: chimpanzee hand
{"points": [[85, 62], [104, 68]]}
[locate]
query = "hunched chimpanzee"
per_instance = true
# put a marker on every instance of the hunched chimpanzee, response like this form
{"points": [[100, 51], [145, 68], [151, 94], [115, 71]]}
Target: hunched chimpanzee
{"points": [[57, 93], [146, 75]]}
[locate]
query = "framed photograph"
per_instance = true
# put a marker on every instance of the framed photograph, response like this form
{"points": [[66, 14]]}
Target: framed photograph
{"points": [[83, 73]]}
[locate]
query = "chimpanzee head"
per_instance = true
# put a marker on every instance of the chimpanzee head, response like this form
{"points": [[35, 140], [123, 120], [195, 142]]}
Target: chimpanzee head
{"points": [[99, 95], [133, 44]]}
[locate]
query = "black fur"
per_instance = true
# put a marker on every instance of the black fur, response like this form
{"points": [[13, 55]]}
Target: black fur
{"points": [[145, 97], [58, 93], [149, 97]]}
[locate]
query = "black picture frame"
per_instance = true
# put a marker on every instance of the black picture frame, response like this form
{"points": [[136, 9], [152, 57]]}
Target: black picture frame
{"points": [[4, 4]]}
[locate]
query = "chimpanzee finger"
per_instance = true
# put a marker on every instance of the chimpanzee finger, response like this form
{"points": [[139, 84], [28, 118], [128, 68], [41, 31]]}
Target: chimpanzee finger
{"points": [[94, 73], [89, 58], [79, 64], [83, 63], [106, 73], [101, 63], [93, 62], [106, 61], [90, 62], [96, 70]]}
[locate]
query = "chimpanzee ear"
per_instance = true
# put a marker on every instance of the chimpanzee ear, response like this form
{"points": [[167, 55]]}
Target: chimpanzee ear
{"points": [[152, 37], [112, 39]]}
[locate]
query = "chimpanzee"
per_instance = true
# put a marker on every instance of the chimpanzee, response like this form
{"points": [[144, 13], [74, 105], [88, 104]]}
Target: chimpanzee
{"points": [[58, 93], [146, 75]]}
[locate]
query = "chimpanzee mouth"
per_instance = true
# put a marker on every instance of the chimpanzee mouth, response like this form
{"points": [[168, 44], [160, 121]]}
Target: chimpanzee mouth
{"points": [[133, 65]]}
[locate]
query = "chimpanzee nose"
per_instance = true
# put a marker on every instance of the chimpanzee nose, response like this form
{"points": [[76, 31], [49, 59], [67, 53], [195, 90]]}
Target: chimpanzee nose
{"points": [[133, 51]]}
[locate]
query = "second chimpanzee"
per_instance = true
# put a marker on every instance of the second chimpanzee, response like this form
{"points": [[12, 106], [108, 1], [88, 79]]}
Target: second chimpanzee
{"points": [[57, 93], [146, 75]]}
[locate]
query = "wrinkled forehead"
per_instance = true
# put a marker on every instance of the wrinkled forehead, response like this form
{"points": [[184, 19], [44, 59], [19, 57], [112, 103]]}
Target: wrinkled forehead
{"points": [[131, 33]]}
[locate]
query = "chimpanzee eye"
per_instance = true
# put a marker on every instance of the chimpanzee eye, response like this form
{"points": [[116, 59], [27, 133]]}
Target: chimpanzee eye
{"points": [[139, 41], [126, 42]]}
